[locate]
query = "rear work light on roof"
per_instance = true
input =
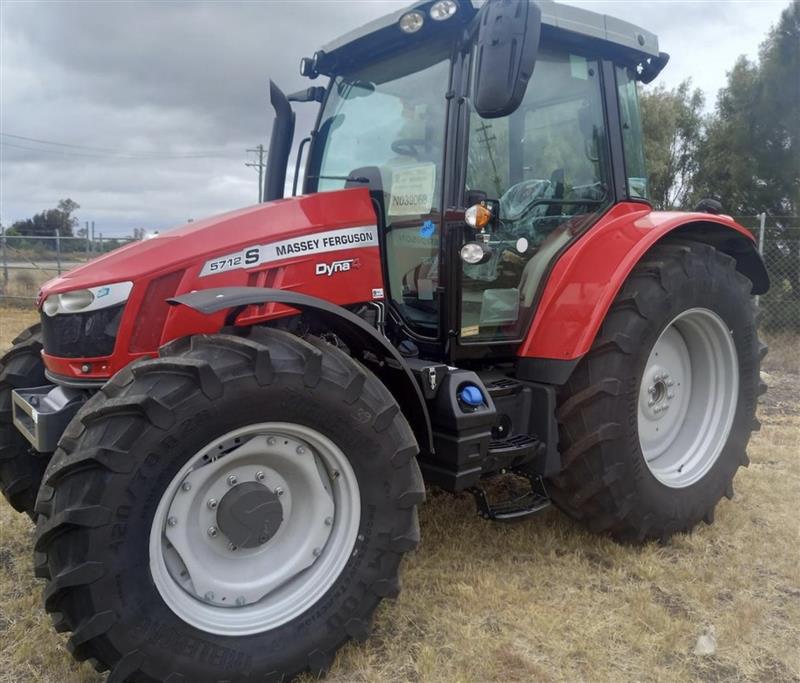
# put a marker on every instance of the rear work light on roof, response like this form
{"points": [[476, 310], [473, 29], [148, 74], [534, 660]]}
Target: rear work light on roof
{"points": [[411, 22], [444, 9]]}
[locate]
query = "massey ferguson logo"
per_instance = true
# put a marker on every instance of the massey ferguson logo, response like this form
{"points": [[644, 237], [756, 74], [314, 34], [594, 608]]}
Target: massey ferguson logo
{"points": [[344, 266]]}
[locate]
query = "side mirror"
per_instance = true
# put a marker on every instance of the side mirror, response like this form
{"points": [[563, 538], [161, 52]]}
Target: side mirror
{"points": [[507, 45]]}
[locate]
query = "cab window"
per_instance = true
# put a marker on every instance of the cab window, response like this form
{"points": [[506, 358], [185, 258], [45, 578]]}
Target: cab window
{"points": [[632, 136]]}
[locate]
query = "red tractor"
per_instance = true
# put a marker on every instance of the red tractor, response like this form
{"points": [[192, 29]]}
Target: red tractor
{"points": [[223, 432]]}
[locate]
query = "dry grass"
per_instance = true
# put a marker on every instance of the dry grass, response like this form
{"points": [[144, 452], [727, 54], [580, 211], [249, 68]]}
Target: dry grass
{"points": [[540, 600]]}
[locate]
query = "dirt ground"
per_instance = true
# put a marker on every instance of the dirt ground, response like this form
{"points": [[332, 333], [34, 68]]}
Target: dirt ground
{"points": [[541, 600]]}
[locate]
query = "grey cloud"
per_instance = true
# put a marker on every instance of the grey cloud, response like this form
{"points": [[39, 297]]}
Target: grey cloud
{"points": [[174, 78]]}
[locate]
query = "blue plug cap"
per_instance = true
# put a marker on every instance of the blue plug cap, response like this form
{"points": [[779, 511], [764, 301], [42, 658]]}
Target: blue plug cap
{"points": [[471, 395]]}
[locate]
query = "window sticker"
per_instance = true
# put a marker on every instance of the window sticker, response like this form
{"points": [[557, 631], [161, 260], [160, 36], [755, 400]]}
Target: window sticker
{"points": [[413, 190], [427, 229], [578, 67]]}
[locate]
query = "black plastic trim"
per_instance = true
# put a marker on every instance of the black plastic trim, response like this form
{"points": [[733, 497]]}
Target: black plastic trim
{"points": [[546, 370]]}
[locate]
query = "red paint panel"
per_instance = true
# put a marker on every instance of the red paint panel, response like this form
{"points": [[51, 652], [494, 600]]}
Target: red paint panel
{"points": [[584, 282], [187, 249]]}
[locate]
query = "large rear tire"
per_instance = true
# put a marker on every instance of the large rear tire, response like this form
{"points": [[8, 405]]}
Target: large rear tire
{"points": [[21, 467], [147, 533], [655, 420]]}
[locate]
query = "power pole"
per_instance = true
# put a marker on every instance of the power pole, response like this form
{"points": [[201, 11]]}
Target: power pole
{"points": [[260, 165]]}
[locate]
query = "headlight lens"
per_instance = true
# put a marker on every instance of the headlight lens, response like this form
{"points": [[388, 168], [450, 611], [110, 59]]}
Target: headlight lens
{"points": [[76, 300], [444, 9], [90, 299], [411, 22]]}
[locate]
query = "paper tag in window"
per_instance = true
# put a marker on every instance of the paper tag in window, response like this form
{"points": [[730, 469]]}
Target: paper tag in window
{"points": [[578, 66], [412, 190], [470, 330]]}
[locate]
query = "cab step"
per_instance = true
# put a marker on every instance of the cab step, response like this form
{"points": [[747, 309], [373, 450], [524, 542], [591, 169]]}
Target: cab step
{"points": [[519, 507]]}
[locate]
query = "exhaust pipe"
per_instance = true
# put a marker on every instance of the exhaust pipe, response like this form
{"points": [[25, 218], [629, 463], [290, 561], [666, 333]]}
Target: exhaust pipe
{"points": [[280, 144]]}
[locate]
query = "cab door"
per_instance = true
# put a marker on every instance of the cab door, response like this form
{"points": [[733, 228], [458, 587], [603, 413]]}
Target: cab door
{"points": [[547, 165]]}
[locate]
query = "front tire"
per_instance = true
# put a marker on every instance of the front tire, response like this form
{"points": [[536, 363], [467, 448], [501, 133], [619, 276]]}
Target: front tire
{"points": [[655, 420], [164, 448], [21, 467]]}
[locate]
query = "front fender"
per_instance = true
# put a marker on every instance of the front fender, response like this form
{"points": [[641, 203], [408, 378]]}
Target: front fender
{"points": [[585, 280], [391, 367]]}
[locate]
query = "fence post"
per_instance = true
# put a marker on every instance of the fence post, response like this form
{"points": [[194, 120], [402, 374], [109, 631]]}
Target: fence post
{"points": [[762, 217], [58, 250], [101, 242], [88, 242], [5, 255]]}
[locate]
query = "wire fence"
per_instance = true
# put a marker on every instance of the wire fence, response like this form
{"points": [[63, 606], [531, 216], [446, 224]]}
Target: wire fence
{"points": [[26, 262]]}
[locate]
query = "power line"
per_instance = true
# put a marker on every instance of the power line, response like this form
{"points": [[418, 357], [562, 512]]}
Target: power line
{"points": [[110, 156], [111, 152]]}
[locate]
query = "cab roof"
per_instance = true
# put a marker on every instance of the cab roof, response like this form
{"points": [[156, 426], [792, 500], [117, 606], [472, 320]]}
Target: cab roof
{"points": [[383, 34]]}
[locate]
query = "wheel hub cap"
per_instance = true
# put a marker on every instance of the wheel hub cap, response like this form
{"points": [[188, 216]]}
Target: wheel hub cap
{"points": [[255, 528], [249, 515]]}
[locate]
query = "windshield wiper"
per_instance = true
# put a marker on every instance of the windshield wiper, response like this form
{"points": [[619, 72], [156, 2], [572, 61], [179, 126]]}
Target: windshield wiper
{"points": [[348, 178]]}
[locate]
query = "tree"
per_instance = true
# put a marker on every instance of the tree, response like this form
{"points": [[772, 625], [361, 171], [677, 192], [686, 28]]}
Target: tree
{"points": [[750, 158], [46, 223], [673, 125]]}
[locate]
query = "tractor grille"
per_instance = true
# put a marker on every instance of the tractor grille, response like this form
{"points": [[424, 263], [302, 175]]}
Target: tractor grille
{"points": [[81, 335]]}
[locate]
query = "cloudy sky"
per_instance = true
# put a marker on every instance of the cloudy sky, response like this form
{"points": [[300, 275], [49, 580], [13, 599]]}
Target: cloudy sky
{"points": [[153, 103]]}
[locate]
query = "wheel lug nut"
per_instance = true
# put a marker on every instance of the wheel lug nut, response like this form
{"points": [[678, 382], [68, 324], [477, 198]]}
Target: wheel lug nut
{"points": [[209, 596], [271, 441], [231, 547], [670, 383], [240, 601], [186, 486], [260, 476], [212, 503], [279, 490], [212, 531], [317, 552], [670, 395], [328, 521], [301, 450], [172, 521], [233, 480], [651, 403]]}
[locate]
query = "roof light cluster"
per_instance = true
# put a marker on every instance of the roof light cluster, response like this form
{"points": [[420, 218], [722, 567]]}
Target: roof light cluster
{"points": [[412, 21]]}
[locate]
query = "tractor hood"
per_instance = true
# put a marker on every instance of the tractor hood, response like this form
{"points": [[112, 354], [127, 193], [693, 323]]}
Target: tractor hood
{"points": [[191, 246]]}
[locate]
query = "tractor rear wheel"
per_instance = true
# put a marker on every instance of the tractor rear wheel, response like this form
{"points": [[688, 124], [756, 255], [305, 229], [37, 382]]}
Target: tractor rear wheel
{"points": [[21, 467], [655, 420], [234, 510]]}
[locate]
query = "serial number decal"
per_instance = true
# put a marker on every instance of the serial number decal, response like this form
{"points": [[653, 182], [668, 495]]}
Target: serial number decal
{"points": [[320, 243]]}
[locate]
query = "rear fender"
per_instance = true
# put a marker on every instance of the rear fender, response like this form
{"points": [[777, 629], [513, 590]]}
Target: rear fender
{"points": [[586, 279], [390, 367]]}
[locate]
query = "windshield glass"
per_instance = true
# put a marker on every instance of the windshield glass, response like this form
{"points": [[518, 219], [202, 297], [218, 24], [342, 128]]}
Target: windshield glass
{"points": [[383, 128]]}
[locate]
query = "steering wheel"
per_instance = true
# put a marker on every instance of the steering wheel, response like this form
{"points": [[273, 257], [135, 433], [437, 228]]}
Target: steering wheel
{"points": [[408, 146]]}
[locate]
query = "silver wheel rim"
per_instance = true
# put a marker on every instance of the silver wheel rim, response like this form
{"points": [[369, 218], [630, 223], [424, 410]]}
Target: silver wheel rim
{"points": [[687, 397], [220, 588]]}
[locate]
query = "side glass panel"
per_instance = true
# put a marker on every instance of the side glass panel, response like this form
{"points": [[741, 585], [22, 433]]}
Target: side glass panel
{"points": [[548, 165], [632, 136], [383, 128]]}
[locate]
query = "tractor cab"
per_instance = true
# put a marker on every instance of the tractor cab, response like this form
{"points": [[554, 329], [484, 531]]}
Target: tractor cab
{"points": [[526, 112]]}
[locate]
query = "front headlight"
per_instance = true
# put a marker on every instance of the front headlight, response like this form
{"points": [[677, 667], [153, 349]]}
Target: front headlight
{"points": [[91, 299]]}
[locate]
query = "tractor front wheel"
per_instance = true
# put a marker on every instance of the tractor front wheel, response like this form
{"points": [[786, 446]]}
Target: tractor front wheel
{"points": [[234, 510], [655, 420], [21, 467]]}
